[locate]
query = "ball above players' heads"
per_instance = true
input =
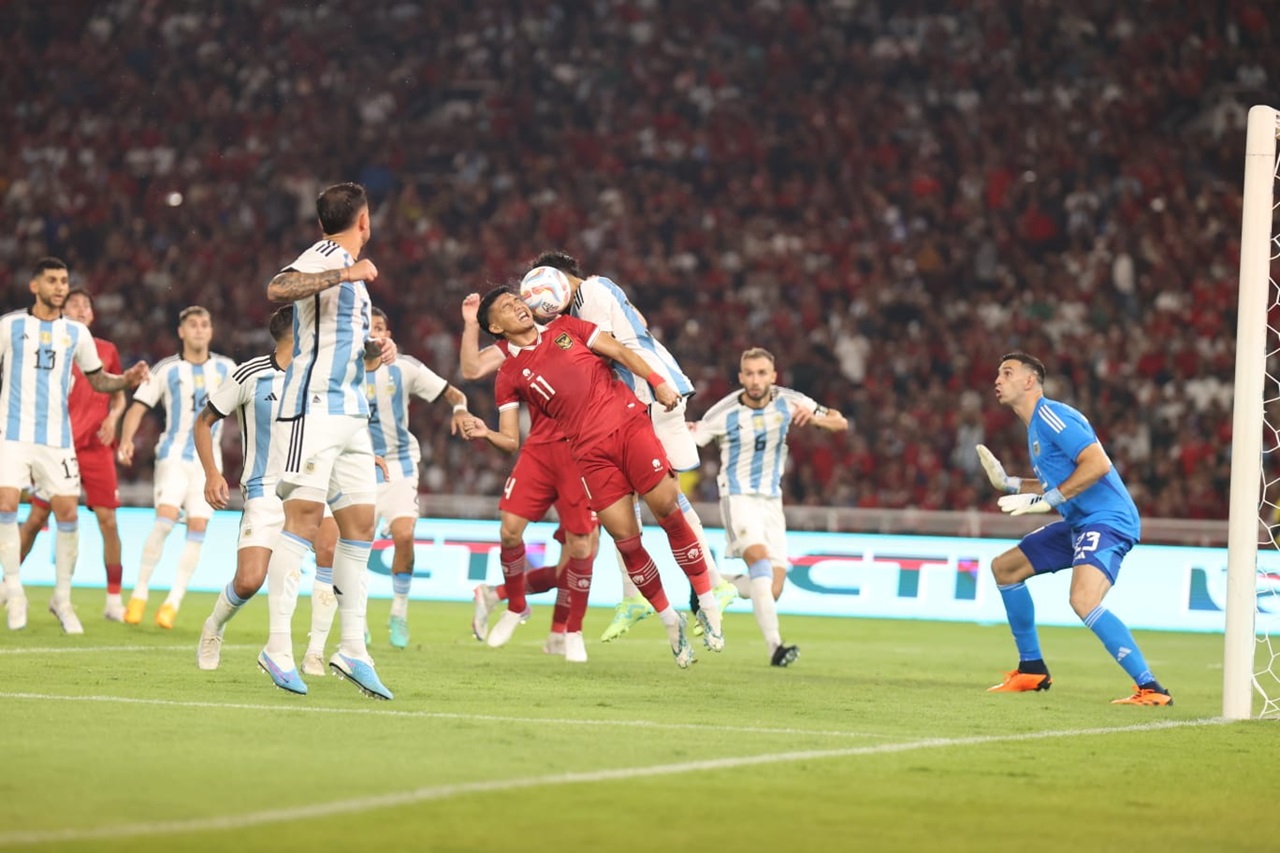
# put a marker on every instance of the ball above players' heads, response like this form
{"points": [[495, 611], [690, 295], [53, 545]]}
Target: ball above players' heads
{"points": [[546, 290]]}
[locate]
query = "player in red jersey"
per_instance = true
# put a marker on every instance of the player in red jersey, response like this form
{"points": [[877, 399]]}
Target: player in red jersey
{"points": [[545, 475], [561, 370], [95, 420]]}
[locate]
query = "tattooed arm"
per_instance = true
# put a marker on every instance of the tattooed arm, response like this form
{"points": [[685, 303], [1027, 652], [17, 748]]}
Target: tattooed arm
{"points": [[290, 285]]}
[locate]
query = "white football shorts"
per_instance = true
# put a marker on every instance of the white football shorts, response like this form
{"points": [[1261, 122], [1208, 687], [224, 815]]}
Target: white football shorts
{"points": [[755, 520], [53, 470]]}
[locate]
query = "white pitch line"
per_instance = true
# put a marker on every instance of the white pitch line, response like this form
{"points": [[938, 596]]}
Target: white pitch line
{"points": [[440, 715], [63, 650], [357, 805]]}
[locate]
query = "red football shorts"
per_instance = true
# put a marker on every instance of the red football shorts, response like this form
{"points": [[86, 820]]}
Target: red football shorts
{"points": [[630, 460], [546, 475], [98, 476]]}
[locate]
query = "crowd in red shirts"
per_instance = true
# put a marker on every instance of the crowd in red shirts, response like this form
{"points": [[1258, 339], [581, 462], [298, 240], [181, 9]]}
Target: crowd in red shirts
{"points": [[888, 195]]}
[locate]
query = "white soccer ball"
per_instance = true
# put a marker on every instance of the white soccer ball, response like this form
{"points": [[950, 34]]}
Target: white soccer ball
{"points": [[546, 290]]}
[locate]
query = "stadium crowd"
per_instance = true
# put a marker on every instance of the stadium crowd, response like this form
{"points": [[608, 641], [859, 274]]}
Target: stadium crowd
{"points": [[888, 195]]}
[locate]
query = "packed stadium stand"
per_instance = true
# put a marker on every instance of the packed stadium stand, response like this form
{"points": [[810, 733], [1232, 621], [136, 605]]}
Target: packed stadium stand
{"points": [[888, 197]]}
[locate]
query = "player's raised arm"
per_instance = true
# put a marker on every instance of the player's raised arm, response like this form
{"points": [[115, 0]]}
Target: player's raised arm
{"points": [[608, 346], [291, 285], [216, 491], [474, 362]]}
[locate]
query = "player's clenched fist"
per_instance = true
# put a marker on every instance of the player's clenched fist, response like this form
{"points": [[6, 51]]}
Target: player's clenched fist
{"points": [[362, 271]]}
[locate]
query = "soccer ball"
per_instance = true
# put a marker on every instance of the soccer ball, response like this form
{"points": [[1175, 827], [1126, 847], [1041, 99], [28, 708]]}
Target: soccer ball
{"points": [[546, 291]]}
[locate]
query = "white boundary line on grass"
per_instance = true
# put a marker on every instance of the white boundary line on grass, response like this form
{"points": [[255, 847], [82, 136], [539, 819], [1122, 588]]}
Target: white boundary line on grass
{"points": [[437, 715], [356, 805], [63, 650]]}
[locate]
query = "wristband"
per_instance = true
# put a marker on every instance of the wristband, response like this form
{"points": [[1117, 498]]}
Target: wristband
{"points": [[1054, 498], [460, 407], [654, 379], [1013, 485]]}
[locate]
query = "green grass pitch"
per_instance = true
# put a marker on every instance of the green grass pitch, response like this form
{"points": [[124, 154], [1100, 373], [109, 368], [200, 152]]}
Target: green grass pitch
{"points": [[881, 737]]}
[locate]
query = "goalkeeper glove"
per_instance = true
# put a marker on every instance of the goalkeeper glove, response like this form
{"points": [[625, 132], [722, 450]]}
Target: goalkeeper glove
{"points": [[995, 472], [1031, 504]]}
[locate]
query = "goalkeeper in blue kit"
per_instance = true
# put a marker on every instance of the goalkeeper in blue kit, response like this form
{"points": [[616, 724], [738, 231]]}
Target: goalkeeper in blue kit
{"points": [[1099, 525]]}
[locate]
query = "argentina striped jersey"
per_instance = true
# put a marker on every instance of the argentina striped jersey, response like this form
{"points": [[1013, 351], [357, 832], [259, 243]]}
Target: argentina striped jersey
{"points": [[252, 395], [603, 303], [753, 442], [329, 331], [182, 388], [389, 389], [35, 376]]}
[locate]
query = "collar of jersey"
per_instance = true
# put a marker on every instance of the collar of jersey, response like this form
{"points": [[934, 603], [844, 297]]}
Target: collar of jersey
{"points": [[517, 349]]}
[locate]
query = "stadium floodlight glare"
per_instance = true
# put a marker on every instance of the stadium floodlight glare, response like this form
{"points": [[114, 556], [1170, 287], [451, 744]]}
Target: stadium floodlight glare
{"points": [[1251, 661]]}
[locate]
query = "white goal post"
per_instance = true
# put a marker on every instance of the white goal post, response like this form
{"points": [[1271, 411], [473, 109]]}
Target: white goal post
{"points": [[1251, 521]]}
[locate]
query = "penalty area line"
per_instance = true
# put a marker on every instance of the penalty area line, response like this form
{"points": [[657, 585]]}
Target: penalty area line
{"points": [[357, 805]]}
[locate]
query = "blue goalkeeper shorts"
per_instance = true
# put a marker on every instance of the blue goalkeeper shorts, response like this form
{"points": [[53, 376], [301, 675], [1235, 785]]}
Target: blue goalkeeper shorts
{"points": [[1057, 546]]}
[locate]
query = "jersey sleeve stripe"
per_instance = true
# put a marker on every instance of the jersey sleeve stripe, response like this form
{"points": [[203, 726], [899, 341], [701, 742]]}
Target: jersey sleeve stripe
{"points": [[1051, 418]]}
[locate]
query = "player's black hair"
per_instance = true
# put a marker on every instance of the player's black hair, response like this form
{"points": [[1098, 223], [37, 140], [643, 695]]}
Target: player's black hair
{"points": [[486, 303], [339, 206], [47, 264], [557, 259], [281, 322], [79, 291], [1036, 365], [378, 312]]}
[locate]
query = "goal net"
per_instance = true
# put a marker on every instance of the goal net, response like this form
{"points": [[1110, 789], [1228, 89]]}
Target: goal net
{"points": [[1251, 659]]}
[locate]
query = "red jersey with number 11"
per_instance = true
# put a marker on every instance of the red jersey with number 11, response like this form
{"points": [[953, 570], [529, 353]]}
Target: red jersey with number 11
{"points": [[559, 376]]}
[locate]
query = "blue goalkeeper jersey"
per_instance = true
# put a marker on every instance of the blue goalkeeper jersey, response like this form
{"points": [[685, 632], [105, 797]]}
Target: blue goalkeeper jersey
{"points": [[1055, 438]]}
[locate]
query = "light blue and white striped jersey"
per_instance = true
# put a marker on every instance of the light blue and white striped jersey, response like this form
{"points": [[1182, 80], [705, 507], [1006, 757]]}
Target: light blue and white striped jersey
{"points": [[602, 302], [753, 442], [389, 389], [329, 331], [252, 395], [183, 388], [1056, 435], [35, 376]]}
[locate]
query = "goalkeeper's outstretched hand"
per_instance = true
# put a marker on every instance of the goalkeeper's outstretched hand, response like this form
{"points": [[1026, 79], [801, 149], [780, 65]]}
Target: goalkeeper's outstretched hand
{"points": [[1030, 504], [995, 472]]}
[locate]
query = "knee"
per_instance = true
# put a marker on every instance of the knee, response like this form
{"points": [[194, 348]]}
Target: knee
{"points": [[511, 537], [247, 587], [324, 552], [1010, 567], [579, 546]]}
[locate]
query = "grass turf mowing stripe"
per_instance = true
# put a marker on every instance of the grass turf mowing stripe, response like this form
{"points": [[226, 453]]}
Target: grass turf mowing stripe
{"points": [[62, 650], [439, 715], [357, 805]]}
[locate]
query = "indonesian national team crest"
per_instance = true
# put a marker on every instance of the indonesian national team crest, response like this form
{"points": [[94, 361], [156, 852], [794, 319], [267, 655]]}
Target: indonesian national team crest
{"points": [[563, 340]]}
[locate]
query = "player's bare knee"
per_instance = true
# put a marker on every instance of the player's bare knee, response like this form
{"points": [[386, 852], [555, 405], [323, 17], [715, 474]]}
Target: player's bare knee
{"points": [[1084, 601], [663, 499], [1011, 567], [578, 545]]}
